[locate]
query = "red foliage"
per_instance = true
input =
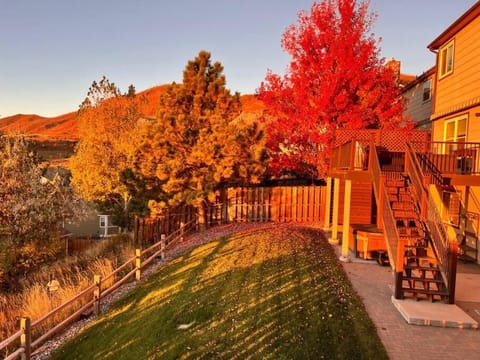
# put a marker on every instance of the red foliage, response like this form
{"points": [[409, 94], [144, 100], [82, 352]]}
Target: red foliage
{"points": [[336, 79]]}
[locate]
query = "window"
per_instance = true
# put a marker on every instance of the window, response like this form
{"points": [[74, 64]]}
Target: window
{"points": [[103, 221], [446, 60], [427, 90], [456, 133]]}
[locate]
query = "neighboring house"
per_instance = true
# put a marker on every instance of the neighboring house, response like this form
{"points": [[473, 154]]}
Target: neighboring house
{"points": [[92, 225], [419, 99], [106, 227]]}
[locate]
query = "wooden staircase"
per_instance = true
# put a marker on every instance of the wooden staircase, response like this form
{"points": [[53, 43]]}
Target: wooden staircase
{"points": [[421, 275]]}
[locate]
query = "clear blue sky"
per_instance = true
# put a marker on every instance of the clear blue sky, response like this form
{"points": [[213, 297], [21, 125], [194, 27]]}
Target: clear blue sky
{"points": [[52, 50]]}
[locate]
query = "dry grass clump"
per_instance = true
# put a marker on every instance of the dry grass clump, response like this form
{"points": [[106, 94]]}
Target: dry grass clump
{"points": [[73, 275]]}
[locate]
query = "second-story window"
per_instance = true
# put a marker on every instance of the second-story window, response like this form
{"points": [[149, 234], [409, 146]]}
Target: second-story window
{"points": [[445, 64], [427, 90]]}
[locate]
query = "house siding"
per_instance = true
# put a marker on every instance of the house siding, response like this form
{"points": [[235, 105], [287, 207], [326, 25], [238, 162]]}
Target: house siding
{"points": [[458, 94], [418, 110], [461, 88]]}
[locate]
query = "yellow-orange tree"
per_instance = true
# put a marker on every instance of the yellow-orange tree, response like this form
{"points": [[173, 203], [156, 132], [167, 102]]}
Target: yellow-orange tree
{"points": [[107, 125], [199, 141]]}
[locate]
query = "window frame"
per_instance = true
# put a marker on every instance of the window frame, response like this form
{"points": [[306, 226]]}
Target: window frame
{"points": [[447, 149], [443, 53], [424, 98]]}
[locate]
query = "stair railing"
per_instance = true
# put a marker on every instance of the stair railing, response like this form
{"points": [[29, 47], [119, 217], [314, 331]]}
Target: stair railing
{"points": [[445, 250], [389, 228]]}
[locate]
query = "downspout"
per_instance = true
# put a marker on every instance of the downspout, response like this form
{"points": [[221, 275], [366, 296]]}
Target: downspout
{"points": [[434, 94]]}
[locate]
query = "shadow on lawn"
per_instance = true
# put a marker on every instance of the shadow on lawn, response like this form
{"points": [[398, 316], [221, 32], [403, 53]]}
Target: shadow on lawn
{"points": [[295, 306]]}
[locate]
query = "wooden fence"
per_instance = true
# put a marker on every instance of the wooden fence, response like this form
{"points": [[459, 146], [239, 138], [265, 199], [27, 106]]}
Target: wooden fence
{"points": [[241, 204], [30, 337], [279, 204], [148, 230]]}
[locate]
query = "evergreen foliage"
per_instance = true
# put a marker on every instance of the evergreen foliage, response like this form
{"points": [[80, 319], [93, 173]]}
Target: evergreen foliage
{"points": [[199, 142]]}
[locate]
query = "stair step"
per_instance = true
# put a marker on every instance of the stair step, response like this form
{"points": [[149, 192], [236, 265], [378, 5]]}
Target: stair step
{"points": [[416, 278], [416, 247], [425, 291], [421, 268]]}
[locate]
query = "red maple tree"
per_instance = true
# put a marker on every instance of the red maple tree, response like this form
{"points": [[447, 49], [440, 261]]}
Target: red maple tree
{"points": [[336, 79]]}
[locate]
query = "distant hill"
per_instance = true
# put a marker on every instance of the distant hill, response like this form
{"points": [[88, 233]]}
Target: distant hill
{"points": [[64, 127]]}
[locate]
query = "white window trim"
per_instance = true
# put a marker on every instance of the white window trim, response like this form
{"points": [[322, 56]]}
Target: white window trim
{"points": [[455, 120], [441, 56]]}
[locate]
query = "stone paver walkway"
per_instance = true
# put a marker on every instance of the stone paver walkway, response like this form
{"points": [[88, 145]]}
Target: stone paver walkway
{"points": [[402, 341]]}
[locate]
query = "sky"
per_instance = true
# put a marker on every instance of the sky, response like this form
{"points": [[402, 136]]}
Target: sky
{"points": [[52, 50]]}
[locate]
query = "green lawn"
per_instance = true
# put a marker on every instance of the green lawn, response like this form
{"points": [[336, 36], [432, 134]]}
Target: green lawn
{"points": [[276, 293]]}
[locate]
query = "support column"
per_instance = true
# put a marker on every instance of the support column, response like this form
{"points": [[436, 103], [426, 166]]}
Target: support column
{"points": [[328, 200], [336, 199], [346, 220]]}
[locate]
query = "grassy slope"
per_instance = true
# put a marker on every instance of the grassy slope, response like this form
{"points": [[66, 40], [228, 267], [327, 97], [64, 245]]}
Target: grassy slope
{"points": [[276, 293]]}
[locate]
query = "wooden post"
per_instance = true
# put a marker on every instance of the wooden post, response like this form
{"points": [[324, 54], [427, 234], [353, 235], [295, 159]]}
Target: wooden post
{"points": [[399, 269], [328, 201], [97, 280], [26, 338], [452, 271], [336, 199], [353, 149], [162, 246], [138, 263], [346, 220], [182, 230], [380, 208]]}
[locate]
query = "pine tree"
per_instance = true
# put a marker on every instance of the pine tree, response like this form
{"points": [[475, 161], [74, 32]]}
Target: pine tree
{"points": [[199, 142]]}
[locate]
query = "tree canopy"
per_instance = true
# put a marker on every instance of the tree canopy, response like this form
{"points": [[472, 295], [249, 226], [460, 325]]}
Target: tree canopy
{"points": [[198, 141], [107, 124], [336, 79]]}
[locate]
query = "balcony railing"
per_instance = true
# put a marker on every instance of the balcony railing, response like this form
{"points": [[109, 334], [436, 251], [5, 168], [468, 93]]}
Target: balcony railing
{"points": [[459, 158]]}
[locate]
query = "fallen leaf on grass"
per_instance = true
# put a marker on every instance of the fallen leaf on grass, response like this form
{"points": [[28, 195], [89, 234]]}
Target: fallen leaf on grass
{"points": [[185, 326]]}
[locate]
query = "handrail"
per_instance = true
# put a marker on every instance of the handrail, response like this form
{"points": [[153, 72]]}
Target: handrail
{"points": [[449, 157], [381, 195], [439, 238]]}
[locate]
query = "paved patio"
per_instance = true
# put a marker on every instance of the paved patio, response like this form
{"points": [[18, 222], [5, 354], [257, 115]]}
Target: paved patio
{"points": [[403, 341]]}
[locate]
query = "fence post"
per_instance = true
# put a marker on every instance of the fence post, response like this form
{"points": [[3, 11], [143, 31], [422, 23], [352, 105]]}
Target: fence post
{"points": [[162, 246], [26, 337], [97, 280], [138, 263], [182, 230]]}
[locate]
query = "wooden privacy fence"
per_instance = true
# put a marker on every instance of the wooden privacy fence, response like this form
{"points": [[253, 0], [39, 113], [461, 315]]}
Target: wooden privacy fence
{"points": [[148, 230], [30, 336], [241, 204], [280, 204]]}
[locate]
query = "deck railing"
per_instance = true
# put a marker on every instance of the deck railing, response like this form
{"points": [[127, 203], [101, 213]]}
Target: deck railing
{"points": [[460, 158]]}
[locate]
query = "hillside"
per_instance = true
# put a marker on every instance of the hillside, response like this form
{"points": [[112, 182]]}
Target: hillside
{"points": [[64, 127]]}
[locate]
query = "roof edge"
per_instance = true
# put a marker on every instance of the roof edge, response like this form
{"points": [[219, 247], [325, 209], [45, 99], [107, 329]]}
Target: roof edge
{"points": [[454, 28]]}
